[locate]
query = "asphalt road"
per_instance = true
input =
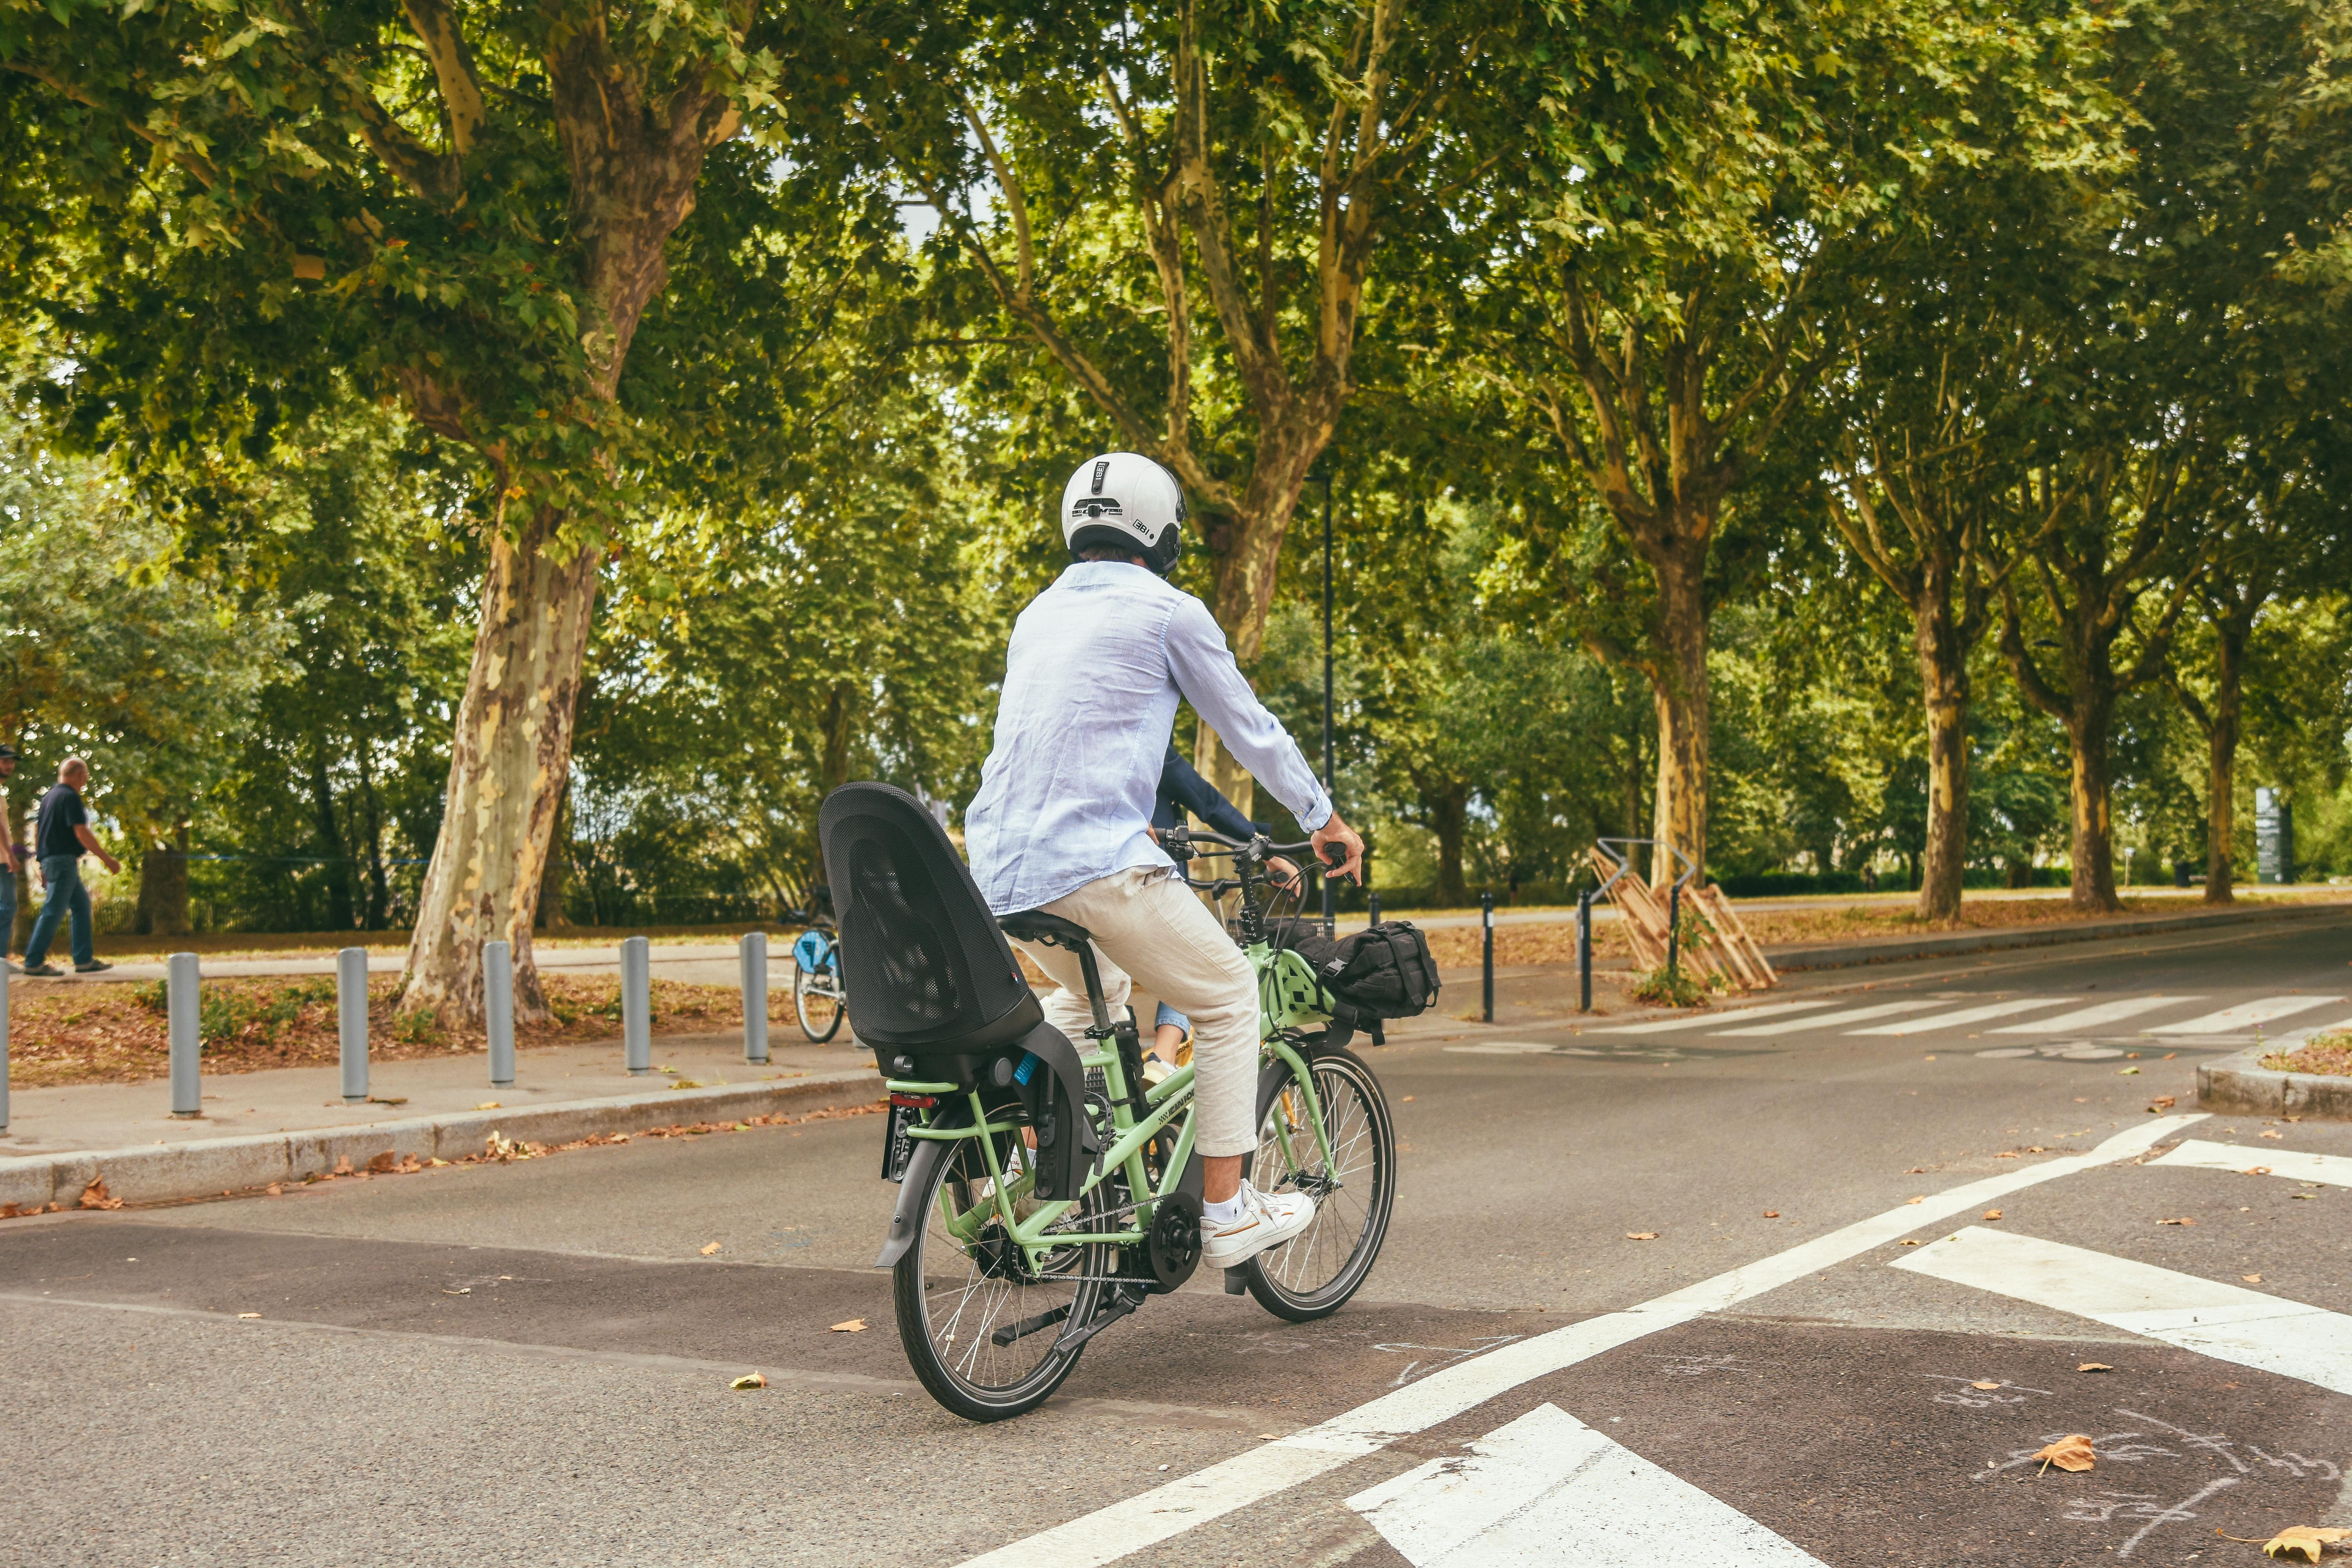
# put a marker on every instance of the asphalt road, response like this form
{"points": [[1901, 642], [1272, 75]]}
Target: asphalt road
{"points": [[530, 1362]]}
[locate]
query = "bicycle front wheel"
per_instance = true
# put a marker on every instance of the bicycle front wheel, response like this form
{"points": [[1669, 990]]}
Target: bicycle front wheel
{"points": [[816, 1003], [979, 1321], [1313, 1274]]}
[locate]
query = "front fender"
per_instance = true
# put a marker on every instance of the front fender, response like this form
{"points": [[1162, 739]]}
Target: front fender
{"points": [[914, 1191]]}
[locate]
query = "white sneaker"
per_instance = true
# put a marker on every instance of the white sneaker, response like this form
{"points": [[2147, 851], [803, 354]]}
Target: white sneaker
{"points": [[1266, 1220]]}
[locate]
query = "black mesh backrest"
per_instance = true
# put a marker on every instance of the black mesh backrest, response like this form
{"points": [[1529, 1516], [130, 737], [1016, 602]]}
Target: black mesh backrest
{"points": [[925, 967]]}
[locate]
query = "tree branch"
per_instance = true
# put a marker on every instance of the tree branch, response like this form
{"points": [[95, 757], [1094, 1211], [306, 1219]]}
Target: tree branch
{"points": [[453, 68]]}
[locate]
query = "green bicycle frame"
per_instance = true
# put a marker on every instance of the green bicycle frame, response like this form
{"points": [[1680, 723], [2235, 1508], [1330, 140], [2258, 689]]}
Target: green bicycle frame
{"points": [[1288, 998]]}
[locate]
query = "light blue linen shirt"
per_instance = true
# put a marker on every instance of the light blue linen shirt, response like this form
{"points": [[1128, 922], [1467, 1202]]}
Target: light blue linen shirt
{"points": [[1092, 678]]}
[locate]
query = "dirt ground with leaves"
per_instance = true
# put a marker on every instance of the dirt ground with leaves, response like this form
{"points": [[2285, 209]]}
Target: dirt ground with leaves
{"points": [[2329, 1054], [82, 1033]]}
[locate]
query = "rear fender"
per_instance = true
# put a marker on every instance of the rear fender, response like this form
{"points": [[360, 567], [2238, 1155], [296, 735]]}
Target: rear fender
{"points": [[907, 1219]]}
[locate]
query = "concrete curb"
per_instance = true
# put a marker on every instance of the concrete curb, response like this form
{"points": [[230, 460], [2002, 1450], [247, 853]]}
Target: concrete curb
{"points": [[1789, 960], [2238, 1084], [207, 1166]]}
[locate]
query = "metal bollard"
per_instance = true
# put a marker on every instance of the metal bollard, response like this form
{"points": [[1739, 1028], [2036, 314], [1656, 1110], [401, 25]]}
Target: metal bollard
{"points": [[180, 982], [1675, 928], [1584, 951], [498, 1010], [1486, 959], [637, 1005], [1372, 909], [350, 1021], [754, 960], [4, 1038]]}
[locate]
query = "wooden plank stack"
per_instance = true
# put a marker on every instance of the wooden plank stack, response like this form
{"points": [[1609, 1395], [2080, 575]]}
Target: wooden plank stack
{"points": [[1716, 945]]}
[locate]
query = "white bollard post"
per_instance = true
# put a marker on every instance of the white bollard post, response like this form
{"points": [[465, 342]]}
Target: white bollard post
{"points": [[754, 960], [351, 1022], [638, 1007], [498, 1010], [181, 982]]}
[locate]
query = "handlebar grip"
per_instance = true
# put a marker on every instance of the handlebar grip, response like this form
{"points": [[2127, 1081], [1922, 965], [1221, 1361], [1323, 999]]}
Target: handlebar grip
{"points": [[1334, 854]]}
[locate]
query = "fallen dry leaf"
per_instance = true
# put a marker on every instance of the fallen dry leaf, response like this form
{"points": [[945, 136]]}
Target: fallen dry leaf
{"points": [[489, 1105], [1406, 1101], [751, 1380], [2069, 1453], [1992, 1214], [2005, 1156], [2271, 1132], [1984, 1385], [1640, 1235], [2163, 1102], [93, 1197], [2251, 1279], [1917, 1171], [2127, 1072], [2095, 1366], [249, 1314], [383, 1161], [460, 1291], [2303, 1541], [1772, 1214], [2256, 1170], [2184, 1219], [342, 1166], [1913, 1244], [853, 1326], [1921, 1199], [709, 1249], [2035, 1148], [274, 1190]]}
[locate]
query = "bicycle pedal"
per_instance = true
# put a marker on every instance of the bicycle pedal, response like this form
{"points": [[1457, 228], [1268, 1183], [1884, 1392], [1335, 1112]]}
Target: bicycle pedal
{"points": [[1237, 1281]]}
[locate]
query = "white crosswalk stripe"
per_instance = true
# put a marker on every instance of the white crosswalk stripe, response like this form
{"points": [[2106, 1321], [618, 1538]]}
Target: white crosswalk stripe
{"points": [[1698, 1020], [2333, 1169], [2244, 1015], [2228, 1322], [2083, 1020], [1548, 1489], [1854, 1016], [1965, 1016]]}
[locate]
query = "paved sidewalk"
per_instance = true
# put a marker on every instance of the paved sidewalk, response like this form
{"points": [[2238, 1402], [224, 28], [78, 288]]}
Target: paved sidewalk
{"points": [[304, 1100]]}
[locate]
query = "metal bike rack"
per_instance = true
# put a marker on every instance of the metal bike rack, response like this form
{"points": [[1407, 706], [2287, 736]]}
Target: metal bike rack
{"points": [[1624, 860]]}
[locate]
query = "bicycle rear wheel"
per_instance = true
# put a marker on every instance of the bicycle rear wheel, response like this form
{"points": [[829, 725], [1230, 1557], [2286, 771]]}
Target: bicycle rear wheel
{"points": [[1313, 1274], [815, 1002], [979, 1323]]}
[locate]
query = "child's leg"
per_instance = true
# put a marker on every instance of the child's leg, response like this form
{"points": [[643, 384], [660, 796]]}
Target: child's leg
{"points": [[1170, 1030]]}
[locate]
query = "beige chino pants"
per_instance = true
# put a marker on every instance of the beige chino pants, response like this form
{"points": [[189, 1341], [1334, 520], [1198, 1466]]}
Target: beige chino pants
{"points": [[1149, 926]]}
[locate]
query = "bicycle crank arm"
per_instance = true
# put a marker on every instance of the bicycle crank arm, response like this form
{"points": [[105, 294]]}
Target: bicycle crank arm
{"points": [[1027, 1326], [1102, 1319]]}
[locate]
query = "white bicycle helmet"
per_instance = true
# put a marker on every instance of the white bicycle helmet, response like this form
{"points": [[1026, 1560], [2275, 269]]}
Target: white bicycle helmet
{"points": [[1126, 499]]}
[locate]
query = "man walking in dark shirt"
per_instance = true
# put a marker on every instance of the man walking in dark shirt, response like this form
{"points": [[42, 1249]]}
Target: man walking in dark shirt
{"points": [[61, 836]]}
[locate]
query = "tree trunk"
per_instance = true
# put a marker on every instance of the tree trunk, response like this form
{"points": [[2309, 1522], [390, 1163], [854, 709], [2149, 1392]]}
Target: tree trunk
{"points": [[550, 913], [163, 889], [510, 758], [339, 914], [840, 711], [1448, 810], [2221, 783], [1943, 674], [2093, 839], [1679, 685]]}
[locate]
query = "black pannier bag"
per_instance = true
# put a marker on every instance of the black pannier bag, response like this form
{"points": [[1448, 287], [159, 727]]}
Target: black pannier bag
{"points": [[1385, 972]]}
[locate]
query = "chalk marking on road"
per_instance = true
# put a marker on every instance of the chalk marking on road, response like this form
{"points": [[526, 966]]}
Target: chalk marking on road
{"points": [[2084, 1019], [1965, 1016], [1852, 1015], [1230, 1485], [2228, 1322], [1702, 1019], [2244, 1016], [2335, 1170], [1546, 1488]]}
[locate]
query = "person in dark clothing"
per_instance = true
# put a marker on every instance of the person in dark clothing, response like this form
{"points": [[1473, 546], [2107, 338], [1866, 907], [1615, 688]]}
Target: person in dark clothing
{"points": [[61, 836], [1182, 789]]}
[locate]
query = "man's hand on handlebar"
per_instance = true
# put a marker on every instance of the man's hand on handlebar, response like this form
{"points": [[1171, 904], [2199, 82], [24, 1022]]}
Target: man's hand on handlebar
{"points": [[1336, 834], [1285, 873]]}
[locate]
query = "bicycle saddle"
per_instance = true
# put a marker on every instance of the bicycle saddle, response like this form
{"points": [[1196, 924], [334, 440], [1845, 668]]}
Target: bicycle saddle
{"points": [[1036, 925]]}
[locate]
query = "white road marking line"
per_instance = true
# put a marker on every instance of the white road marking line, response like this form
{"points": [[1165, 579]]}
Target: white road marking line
{"points": [[1698, 1020], [1504, 1048], [1852, 1015], [1965, 1016], [1546, 1489], [2084, 1019], [2335, 1170], [1230, 1485], [2244, 1016], [2228, 1322]]}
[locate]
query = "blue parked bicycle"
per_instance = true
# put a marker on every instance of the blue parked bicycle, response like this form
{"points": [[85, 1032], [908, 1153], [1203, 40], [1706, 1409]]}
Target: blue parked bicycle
{"points": [[819, 999]]}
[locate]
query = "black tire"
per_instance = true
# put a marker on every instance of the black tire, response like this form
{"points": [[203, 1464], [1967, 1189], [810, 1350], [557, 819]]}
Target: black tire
{"points": [[818, 1012], [1313, 1274], [940, 1284]]}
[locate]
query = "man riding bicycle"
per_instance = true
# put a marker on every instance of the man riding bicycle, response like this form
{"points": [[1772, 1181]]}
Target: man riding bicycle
{"points": [[1062, 823]]}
